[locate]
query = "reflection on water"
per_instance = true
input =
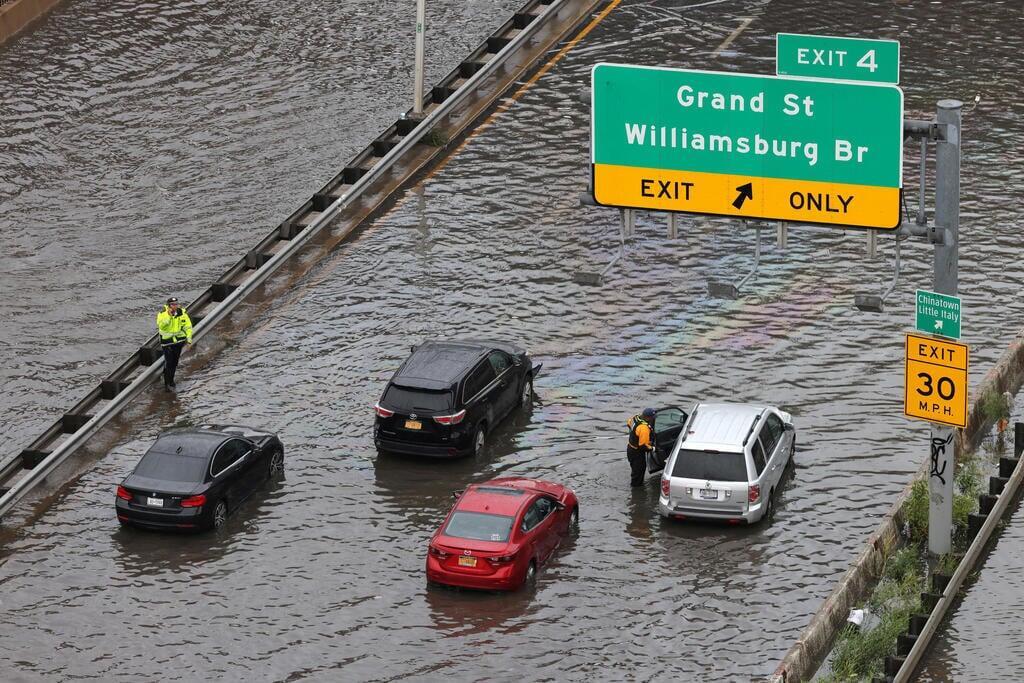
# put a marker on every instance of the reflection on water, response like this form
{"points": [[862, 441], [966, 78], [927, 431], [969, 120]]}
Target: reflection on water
{"points": [[323, 577]]}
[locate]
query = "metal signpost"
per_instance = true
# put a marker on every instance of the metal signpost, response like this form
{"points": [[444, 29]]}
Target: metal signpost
{"points": [[754, 147], [847, 59], [417, 87], [938, 314]]}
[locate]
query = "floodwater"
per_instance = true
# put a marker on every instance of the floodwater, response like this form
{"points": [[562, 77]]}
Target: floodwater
{"points": [[321, 577]]}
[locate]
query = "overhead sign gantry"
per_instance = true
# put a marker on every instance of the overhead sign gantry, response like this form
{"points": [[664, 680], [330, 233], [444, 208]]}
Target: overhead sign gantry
{"points": [[755, 147]]}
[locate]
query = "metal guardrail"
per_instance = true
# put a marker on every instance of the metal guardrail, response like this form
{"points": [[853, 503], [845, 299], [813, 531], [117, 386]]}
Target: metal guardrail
{"points": [[908, 668], [48, 451]]}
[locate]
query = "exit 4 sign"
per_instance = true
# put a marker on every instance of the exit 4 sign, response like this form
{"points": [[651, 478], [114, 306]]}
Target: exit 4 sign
{"points": [[844, 59]]}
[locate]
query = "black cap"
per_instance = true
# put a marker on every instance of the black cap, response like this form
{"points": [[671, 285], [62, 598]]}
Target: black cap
{"points": [[172, 300]]}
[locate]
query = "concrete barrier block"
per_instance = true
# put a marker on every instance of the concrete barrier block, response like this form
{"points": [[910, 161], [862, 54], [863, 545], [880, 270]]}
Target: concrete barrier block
{"points": [[1006, 466], [986, 502], [30, 458], [904, 642], [996, 485], [72, 422], [149, 355], [221, 290], [974, 523], [109, 389], [893, 665], [939, 582]]}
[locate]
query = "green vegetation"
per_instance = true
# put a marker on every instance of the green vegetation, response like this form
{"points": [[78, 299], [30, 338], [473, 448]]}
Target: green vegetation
{"points": [[860, 654], [435, 138], [994, 406]]}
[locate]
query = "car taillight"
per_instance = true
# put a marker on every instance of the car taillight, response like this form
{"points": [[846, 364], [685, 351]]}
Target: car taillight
{"points": [[502, 559], [194, 501], [666, 486], [450, 419], [123, 494], [754, 493], [381, 411], [437, 552]]}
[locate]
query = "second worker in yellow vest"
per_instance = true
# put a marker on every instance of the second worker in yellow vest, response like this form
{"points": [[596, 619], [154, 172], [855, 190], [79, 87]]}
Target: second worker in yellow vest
{"points": [[175, 331]]}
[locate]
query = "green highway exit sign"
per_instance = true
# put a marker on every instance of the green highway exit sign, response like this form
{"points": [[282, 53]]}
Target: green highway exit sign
{"points": [[845, 59], [806, 150], [938, 314]]}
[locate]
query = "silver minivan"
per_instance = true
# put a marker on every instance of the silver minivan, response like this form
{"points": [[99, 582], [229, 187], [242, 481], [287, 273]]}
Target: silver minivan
{"points": [[727, 463]]}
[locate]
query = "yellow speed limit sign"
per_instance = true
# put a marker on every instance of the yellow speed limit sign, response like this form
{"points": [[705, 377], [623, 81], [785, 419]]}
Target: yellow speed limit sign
{"points": [[936, 387]]}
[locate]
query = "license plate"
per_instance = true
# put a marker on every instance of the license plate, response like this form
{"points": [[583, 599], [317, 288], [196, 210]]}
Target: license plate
{"points": [[413, 424], [467, 561], [709, 493], [155, 502]]}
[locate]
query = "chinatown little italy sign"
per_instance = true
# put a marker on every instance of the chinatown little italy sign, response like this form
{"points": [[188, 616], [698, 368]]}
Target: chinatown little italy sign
{"points": [[758, 147]]}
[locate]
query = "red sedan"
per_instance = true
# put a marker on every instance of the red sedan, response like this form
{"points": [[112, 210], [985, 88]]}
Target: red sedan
{"points": [[498, 533]]}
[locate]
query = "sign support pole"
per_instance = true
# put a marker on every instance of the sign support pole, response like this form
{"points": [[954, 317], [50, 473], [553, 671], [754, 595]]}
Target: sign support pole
{"points": [[417, 88], [946, 281]]}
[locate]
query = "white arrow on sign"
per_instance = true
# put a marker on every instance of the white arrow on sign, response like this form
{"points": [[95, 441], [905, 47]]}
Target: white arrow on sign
{"points": [[938, 324]]}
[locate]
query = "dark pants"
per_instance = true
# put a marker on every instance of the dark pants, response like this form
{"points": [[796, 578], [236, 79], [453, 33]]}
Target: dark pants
{"points": [[172, 352], [637, 465]]}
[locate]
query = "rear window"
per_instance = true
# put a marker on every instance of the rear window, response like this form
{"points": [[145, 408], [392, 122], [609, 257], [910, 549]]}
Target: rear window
{"points": [[404, 399], [715, 465], [479, 526], [172, 467]]}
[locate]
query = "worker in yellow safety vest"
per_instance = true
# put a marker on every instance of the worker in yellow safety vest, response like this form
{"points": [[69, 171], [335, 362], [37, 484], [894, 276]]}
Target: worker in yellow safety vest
{"points": [[175, 331], [641, 442]]}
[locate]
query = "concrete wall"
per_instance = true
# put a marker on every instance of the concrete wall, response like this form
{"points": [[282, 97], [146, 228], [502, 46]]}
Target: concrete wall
{"points": [[18, 14]]}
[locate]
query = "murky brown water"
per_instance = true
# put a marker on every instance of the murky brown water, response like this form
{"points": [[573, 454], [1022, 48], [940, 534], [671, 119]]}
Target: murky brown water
{"points": [[321, 577]]}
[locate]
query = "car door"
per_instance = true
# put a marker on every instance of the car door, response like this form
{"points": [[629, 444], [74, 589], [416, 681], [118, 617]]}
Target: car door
{"points": [[538, 525], [667, 425], [508, 385], [478, 394], [226, 471], [774, 437]]}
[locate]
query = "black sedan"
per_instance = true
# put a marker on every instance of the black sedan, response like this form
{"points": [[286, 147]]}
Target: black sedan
{"points": [[192, 478]]}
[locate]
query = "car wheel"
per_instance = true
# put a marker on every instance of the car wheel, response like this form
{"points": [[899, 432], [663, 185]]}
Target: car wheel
{"points": [[479, 441], [276, 466], [574, 520], [526, 397], [531, 575], [220, 514]]}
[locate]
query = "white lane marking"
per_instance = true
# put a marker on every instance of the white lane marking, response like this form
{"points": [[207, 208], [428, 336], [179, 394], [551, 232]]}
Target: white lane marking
{"points": [[732, 36]]}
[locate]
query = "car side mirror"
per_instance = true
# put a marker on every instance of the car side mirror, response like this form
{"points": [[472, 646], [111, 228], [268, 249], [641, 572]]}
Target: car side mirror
{"points": [[789, 426], [559, 506], [456, 494]]}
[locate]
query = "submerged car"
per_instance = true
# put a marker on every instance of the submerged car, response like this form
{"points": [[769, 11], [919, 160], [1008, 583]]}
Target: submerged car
{"points": [[499, 533], [448, 395], [727, 463], [192, 478]]}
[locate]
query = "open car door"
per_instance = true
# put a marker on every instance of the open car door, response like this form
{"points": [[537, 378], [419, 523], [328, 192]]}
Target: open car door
{"points": [[667, 425]]}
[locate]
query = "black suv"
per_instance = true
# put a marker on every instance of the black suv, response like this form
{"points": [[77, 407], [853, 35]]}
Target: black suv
{"points": [[448, 395]]}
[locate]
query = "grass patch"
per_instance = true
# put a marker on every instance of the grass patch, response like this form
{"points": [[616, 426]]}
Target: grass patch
{"points": [[860, 654], [994, 406], [435, 138]]}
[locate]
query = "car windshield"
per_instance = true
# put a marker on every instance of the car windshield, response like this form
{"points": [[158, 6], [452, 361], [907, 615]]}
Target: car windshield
{"points": [[479, 526], [404, 399], [172, 467], [713, 465]]}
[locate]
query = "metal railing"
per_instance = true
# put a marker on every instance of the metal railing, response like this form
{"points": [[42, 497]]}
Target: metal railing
{"points": [[123, 385]]}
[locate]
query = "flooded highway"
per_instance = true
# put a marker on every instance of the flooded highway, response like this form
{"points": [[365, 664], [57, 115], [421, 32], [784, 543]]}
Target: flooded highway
{"points": [[321, 576]]}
